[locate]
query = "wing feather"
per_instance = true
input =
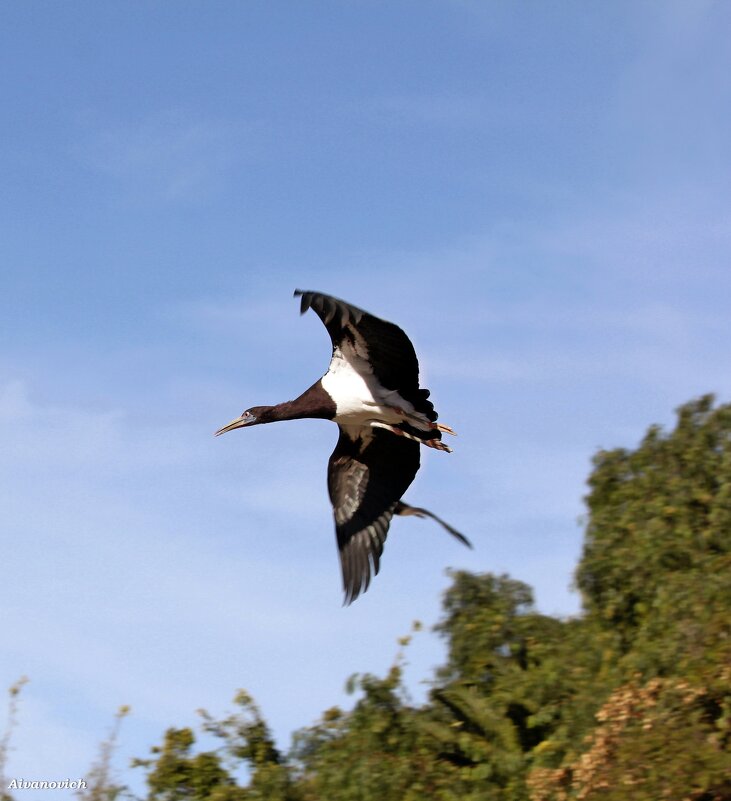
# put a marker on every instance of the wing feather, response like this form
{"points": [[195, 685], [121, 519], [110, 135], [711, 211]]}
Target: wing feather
{"points": [[369, 471], [405, 509], [359, 336]]}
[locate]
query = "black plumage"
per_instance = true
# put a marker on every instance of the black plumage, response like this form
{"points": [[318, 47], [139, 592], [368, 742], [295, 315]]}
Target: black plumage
{"points": [[371, 390]]}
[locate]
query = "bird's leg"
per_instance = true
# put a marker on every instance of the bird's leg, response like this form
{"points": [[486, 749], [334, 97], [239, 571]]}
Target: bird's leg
{"points": [[420, 419], [430, 443], [437, 444]]}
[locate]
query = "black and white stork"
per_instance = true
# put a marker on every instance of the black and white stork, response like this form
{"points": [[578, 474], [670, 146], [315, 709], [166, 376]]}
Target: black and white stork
{"points": [[371, 390]]}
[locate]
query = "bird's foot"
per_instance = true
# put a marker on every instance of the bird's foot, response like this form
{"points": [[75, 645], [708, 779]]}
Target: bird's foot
{"points": [[430, 443], [437, 444], [419, 419]]}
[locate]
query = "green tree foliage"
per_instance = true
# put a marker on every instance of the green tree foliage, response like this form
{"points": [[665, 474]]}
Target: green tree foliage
{"points": [[631, 700], [487, 714], [248, 740], [489, 622], [371, 752], [656, 739], [10, 724], [178, 773], [660, 520], [656, 574]]}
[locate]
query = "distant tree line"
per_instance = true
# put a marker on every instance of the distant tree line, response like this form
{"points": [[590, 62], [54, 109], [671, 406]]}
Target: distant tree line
{"points": [[631, 700]]}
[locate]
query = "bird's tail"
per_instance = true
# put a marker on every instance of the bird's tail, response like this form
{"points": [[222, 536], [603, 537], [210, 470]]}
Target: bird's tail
{"points": [[405, 510]]}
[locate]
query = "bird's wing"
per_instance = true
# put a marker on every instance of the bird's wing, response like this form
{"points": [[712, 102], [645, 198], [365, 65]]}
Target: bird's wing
{"points": [[369, 471], [370, 344], [405, 509]]}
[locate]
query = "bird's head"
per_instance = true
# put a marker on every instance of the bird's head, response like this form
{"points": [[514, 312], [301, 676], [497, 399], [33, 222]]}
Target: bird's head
{"points": [[251, 417]]}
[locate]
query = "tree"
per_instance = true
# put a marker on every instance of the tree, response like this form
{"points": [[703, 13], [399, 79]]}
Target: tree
{"points": [[100, 783], [179, 773], [630, 700], [11, 722], [373, 752], [656, 570], [176, 773], [247, 740], [657, 514], [520, 688]]}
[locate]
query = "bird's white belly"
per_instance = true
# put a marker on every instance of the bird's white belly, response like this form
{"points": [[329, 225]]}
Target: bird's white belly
{"points": [[358, 396]]}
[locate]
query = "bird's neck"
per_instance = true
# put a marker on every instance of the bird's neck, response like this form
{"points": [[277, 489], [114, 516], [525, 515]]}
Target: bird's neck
{"points": [[313, 402]]}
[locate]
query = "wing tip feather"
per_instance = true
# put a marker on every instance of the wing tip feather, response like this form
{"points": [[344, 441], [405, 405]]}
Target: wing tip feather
{"points": [[327, 307]]}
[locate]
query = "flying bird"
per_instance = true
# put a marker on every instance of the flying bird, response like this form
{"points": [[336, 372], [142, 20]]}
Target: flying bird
{"points": [[371, 390]]}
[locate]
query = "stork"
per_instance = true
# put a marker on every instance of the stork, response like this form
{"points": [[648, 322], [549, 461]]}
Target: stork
{"points": [[371, 390]]}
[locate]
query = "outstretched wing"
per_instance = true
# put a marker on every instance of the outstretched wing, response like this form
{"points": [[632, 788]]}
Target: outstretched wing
{"points": [[369, 471], [371, 345]]}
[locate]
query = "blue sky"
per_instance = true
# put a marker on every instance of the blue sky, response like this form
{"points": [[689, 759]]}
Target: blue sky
{"points": [[537, 193]]}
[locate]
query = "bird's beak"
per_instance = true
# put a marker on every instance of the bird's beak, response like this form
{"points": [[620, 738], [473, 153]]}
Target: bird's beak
{"points": [[239, 422]]}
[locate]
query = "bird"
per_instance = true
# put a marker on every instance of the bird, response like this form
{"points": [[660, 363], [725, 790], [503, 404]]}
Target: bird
{"points": [[371, 391]]}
